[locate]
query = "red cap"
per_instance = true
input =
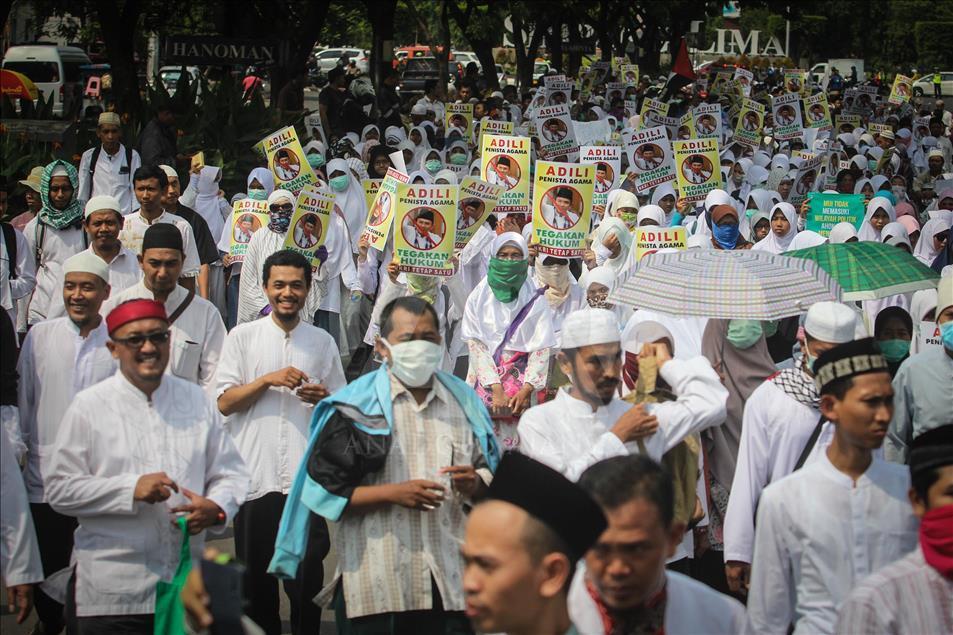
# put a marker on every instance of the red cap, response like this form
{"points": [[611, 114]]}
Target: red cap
{"points": [[133, 310]]}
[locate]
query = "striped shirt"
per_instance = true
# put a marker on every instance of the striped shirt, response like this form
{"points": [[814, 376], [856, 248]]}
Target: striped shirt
{"points": [[907, 596]]}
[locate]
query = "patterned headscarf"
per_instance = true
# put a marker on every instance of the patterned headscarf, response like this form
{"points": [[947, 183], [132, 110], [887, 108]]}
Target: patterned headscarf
{"points": [[49, 215]]}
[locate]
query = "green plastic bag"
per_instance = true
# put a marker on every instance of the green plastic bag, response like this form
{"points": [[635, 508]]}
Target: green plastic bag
{"points": [[170, 612]]}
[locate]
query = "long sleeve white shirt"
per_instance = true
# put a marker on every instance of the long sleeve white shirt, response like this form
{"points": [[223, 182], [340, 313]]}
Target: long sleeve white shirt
{"points": [[775, 430], [272, 435], [124, 272], [112, 435], [19, 553], [55, 364], [134, 228], [112, 177], [57, 245], [197, 335], [568, 436], [12, 290], [820, 533]]}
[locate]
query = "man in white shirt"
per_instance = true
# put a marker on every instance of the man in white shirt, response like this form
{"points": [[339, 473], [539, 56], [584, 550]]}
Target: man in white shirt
{"points": [[271, 374], [694, 171], [284, 170], [780, 418], [60, 357], [107, 169], [198, 331], [588, 423], [624, 581], [17, 269], [827, 526], [559, 213], [150, 183], [134, 454], [417, 230], [500, 175]]}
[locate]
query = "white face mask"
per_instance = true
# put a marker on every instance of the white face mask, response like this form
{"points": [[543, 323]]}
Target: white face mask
{"points": [[414, 362]]}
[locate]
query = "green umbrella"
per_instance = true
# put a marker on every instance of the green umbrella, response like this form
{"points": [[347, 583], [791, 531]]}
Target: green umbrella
{"points": [[868, 270]]}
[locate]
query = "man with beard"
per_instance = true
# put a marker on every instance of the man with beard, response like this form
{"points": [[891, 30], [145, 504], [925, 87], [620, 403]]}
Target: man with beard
{"points": [[588, 422], [59, 358], [271, 374]]}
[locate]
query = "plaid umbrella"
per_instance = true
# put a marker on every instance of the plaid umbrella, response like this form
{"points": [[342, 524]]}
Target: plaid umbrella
{"points": [[868, 270], [747, 284]]}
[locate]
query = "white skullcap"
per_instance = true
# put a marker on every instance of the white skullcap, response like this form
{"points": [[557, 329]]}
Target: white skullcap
{"points": [[867, 138], [277, 195], [498, 94], [935, 152], [588, 327], [831, 322], [87, 262], [944, 294], [170, 172], [887, 134], [418, 109], [108, 118], [101, 203]]}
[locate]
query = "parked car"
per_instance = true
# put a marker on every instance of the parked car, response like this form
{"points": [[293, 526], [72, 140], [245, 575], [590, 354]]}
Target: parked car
{"points": [[328, 58], [417, 71], [924, 85], [169, 76], [56, 71]]}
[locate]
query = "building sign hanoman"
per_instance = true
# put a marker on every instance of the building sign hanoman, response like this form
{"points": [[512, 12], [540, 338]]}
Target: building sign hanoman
{"points": [[183, 49]]}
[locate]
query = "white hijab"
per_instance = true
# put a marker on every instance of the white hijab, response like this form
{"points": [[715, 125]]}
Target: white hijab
{"points": [[925, 252], [351, 201], [867, 231], [896, 234], [779, 244], [207, 201], [841, 233]]}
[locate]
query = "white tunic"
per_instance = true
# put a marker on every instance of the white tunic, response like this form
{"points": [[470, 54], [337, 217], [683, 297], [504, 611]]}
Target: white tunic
{"points": [[58, 245], [568, 436], [819, 534], [690, 607], [19, 553], [112, 177], [272, 435], [112, 435], [55, 364], [134, 228], [197, 335], [124, 272], [25, 268], [774, 431]]}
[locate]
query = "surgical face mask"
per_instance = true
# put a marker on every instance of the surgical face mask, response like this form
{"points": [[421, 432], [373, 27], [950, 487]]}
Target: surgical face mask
{"points": [[458, 159], [743, 334], [894, 350], [414, 362], [770, 327], [315, 160], [257, 194], [808, 358], [946, 335], [432, 166], [339, 183]]}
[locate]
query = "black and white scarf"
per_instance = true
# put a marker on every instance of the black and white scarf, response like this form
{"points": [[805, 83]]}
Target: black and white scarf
{"points": [[799, 386]]}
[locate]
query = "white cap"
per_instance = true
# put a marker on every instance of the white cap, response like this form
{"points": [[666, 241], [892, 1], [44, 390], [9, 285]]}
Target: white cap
{"points": [[944, 294], [108, 119], [935, 152], [170, 172], [418, 109], [101, 203], [831, 322], [87, 262], [588, 327]]}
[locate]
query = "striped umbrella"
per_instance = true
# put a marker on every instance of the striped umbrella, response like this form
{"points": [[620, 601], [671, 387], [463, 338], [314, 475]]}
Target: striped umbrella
{"points": [[868, 270], [747, 284]]}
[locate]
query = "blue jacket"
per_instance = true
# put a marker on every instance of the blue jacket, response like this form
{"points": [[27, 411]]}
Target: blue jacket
{"points": [[350, 438]]}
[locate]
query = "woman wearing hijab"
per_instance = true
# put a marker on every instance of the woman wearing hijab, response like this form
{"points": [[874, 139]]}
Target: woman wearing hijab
{"points": [[433, 161], [760, 226], [611, 243], [651, 216], [842, 233], [783, 229], [913, 228], [896, 234], [508, 327], [458, 154], [349, 197], [864, 186], [933, 239], [378, 161], [598, 284], [922, 309], [664, 197], [893, 330], [562, 292], [419, 177], [721, 219], [208, 203], [624, 206], [445, 177], [314, 152], [806, 239], [879, 213]]}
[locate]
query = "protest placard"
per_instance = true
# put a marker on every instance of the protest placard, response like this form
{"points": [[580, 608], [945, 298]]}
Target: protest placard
{"points": [[750, 123], [504, 161], [630, 108], [650, 157], [805, 181], [901, 90], [197, 161], [652, 105], [314, 128], [817, 112], [493, 126], [310, 223], [787, 117], [744, 78], [708, 121], [648, 240], [847, 123], [425, 233], [459, 116], [929, 336], [686, 126], [614, 90], [630, 74], [697, 168], [562, 204], [380, 213], [286, 160], [558, 93], [477, 201], [555, 133], [607, 160], [370, 187], [796, 81], [826, 210], [248, 216]]}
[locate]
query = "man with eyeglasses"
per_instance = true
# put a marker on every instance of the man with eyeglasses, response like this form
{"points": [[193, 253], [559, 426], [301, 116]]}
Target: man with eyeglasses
{"points": [[135, 455], [59, 358], [198, 331]]}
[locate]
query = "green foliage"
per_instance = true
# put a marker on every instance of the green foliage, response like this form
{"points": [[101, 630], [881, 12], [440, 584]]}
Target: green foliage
{"points": [[19, 152], [933, 47], [40, 109]]}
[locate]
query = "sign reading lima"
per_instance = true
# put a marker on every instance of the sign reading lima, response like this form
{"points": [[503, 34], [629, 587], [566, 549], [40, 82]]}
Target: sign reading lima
{"points": [[221, 50]]}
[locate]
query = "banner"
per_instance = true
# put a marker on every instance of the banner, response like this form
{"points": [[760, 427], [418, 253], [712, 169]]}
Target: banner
{"points": [[806, 180], [427, 221], [608, 163], [370, 186], [630, 74], [929, 336], [826, 210], [555, 133], [817, 112], [787, 117], [650, 158], [477, 201], [708, 121], [504, 161], [744, 78], [380, 213], [796, 81], [286, 160], [248, 216], [901, 90], [492, 126], [750, 123], [648, 240], [698, 168], [562, 202], [310, 223]]}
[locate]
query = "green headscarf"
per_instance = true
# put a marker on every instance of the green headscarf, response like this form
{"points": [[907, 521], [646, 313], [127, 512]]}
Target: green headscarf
{"points": [[59, 218], [506, 277]]}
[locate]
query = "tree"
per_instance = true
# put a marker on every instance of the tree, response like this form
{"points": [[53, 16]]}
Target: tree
{"points": [[527, 36], [438, 39], [481, 23]]}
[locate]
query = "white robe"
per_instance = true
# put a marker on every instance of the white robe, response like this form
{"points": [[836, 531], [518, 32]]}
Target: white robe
{"points": [[134, 228], [112, 435], [109, 177], [568, 436], [19, 552], [820, 533], [58, 245]]}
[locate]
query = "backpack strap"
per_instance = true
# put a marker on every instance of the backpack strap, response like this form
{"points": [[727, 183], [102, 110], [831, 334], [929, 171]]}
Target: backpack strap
{"points": [[10, 241], [811, 442], [93, 160]]}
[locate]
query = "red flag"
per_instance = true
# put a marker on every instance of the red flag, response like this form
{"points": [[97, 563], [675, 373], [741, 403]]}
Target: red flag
{"points": [[682, 73]]}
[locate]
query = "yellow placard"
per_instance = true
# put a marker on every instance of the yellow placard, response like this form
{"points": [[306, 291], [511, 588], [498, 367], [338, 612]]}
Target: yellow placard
{"points": [[630, 74], [796, 81], [697, 168], [197, 161], [648, 240], [426, 227], [380, 213], [817, 112], [562, 205], [459, 116], [504, 161], [370, 190], [652, 105], [750, 123], [477, 201], [901, 90], [287, 161], [248, 216], [310, 222]]}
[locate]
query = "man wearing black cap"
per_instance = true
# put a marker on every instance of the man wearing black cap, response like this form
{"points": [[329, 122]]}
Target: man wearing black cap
{"points": [[913, 595], [557, 208], [198, 332], [841, 517], [521, 548]]}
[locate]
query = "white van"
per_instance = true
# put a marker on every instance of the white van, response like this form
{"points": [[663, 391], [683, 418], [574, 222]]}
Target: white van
{"points": [[54, 69]]}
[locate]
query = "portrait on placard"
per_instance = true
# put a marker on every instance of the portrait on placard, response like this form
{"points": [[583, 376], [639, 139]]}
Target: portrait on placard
{"points": [[786, 116], [307, 231], [245, 226], [605, 177], [504, 171], [561, 207], [649, 156], [752, 121], [287, 165], [696, 168], [554, 130], [469, 211], [805, 182], [381, 209], [424, 228], [706, 125]]}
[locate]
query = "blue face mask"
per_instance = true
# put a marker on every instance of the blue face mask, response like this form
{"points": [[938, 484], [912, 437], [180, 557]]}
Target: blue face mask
{"points": [[946, 335], [339, 183], [257, 194], [725, 235]]}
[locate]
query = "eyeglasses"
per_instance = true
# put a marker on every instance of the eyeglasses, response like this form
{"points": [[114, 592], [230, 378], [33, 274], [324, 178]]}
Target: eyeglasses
{"points": [[137, 341], [286, 207]]}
